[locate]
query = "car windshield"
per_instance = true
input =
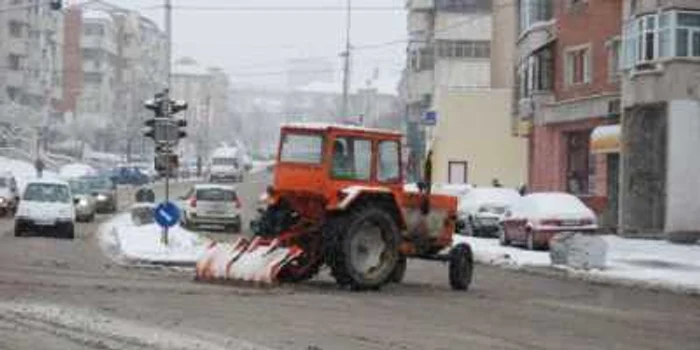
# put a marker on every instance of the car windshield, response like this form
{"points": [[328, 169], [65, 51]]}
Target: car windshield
{"points": [[302, 148], [216, 195], [79, 187], [225, 161], [45, 192]]}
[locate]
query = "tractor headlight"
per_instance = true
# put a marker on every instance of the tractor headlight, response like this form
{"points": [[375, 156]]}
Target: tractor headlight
{"points": [[101, 197]]}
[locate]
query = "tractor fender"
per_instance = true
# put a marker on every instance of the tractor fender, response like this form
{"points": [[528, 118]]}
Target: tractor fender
{"points": [[353, 194]]}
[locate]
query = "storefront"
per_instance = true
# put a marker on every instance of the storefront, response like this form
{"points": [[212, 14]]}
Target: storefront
{"points": [[605, 150]]}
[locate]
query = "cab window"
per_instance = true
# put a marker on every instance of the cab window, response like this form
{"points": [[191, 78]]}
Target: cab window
{"points": [[352, 159], [389, 165]]}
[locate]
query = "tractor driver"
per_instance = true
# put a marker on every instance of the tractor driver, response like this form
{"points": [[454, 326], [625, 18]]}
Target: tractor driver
{"points": [[341, 164]]}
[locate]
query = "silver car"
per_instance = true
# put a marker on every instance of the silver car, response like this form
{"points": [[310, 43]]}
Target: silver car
{"points": [[85, 202], [211, 205]]}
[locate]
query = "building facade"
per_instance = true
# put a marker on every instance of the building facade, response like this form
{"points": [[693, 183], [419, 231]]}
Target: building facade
{"points": [[568, 92], [114, 59], [457, 71], [661, 117], [31, 75]]}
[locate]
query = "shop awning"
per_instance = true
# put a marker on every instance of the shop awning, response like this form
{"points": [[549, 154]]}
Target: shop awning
{"points": [[606, 139]]}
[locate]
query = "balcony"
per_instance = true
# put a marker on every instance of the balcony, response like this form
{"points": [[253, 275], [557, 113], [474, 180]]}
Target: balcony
{"points": [[17, 46], [420, 5], [530, 106], [535, 37], [419, 84], [98, 42], [14, 78]]}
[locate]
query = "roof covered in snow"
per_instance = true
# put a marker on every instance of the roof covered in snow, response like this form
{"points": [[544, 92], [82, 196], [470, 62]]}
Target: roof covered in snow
{"points": [[326, 126], [223, 152], [214, 187]]}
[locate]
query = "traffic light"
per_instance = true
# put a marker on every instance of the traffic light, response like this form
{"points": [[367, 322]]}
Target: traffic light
{"points": [[181, 123], [156, 105], [149, 129], [56, 5], [177, 106]]}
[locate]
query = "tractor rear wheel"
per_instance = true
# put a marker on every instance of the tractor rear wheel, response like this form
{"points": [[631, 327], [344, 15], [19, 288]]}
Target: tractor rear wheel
{"points": [[461, 266], [362, 247], [399, 271]]}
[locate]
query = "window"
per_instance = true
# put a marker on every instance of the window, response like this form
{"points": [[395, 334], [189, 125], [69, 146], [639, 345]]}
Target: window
{"points": [[302, 148], [352, 159], [389, 164], [46, 192], [422, 59], [614, 49], [688, 34], [15, 29], [534, 11], [464, 49], [536, 73], [577, 63], [91, 29], [15, 61], [457, 172], [463, 5]]}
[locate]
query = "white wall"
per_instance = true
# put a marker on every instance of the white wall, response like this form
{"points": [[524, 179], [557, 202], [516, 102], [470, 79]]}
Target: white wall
{"points": [[460, 26], [683, 168], [463, 73]]}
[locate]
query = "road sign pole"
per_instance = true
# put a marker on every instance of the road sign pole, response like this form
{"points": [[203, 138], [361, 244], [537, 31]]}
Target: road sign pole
{"points": [[167, 170]]}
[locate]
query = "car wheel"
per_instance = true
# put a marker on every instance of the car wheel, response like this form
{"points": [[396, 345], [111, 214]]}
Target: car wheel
{"points": [[69, 231], [502, 238], [19, 230]]}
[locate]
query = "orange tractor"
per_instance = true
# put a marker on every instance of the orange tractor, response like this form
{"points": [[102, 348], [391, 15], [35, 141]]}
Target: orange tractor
{"points": [[338, 200]]}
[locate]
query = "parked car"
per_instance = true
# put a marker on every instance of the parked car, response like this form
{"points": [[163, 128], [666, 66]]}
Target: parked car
{"points": [[85, 202], [9, 194], [104, 191], [536, 218], [211, 205], [481, 210], [47, 206]]}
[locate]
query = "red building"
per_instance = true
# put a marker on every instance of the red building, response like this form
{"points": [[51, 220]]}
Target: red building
{"points": [[569, 90]]}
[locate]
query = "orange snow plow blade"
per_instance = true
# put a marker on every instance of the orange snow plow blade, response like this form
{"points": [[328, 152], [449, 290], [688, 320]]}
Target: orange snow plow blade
{"points": [[256, 261]]}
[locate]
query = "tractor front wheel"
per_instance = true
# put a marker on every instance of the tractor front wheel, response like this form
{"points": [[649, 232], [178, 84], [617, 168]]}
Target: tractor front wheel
{"points": [[399, 271], [362, 247], [461, 266]]}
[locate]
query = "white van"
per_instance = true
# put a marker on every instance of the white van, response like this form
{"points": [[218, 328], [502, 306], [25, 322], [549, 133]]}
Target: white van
{"points": [[48, 206], [226, 165]]}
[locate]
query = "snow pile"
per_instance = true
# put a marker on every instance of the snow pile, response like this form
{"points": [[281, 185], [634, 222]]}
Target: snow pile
{"points": [[76, 170], [22, 171], [123, 240], [578, 251], [636, 262]]}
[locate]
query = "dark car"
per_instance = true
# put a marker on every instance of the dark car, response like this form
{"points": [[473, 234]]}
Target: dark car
{"points": [[130, 176], [105, 192]]}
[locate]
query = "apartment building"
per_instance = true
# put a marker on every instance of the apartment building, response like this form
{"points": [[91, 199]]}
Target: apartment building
{"points": [[30, 60], [114, 59], [660, 122], [568, 97], [458, 91]]}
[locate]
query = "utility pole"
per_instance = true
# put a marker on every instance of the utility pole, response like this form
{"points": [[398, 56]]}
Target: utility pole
{"points": [[346, 55]]}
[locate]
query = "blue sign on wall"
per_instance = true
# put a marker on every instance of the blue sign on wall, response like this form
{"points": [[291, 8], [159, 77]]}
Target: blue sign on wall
{"points": [[167, 214], [430, 118]]}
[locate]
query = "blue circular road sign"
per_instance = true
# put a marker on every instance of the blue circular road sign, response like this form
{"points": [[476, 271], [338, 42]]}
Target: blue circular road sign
{"points": [[167, 214]]}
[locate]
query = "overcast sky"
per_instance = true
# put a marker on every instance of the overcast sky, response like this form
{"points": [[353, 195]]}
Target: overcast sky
{"points": [[253, 45]]}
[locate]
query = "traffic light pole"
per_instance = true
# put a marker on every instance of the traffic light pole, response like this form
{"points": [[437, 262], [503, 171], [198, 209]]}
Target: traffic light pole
{"points": [[168, 59]]}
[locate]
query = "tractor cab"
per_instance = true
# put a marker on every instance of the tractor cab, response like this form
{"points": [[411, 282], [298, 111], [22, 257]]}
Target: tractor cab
{"points": [[328, 160]]}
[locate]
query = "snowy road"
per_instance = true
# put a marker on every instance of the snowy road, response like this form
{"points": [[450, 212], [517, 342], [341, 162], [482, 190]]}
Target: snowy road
{"points": [[57, 294]]}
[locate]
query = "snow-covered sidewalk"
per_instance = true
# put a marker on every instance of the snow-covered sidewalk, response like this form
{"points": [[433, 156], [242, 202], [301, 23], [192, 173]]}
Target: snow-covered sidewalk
{"points": [[636, 262], [23, 171], [125, 242]]}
